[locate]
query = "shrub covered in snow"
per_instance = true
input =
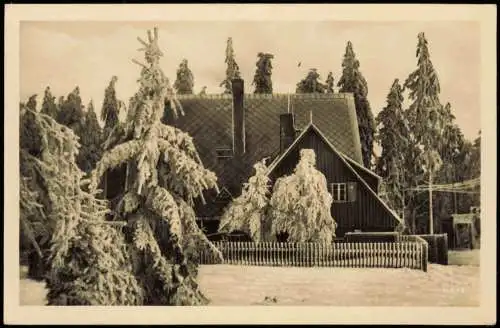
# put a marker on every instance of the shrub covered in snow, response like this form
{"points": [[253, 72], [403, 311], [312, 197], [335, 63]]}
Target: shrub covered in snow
{"points": [[301, 204]]}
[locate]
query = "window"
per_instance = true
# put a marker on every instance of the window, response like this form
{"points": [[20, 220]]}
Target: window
{"points": [[343, 192], [224, 152], [339, 192]]}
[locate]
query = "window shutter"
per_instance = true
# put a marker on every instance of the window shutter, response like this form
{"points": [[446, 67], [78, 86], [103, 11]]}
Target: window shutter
{"points": [[351, 191]]}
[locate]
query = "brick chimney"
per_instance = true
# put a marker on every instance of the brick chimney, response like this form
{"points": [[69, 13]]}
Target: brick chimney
{"points": [[287, 131], [238, 90]]}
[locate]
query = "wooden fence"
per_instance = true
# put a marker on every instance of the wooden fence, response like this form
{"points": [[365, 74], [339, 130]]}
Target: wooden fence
{"points": [[410, 253]]}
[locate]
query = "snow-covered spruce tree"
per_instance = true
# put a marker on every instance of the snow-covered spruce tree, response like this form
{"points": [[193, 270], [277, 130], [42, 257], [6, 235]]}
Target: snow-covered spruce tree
{"points": [[185, 80], [164, 176], [49, 106], [111, 107], [301, 204], [425, 114], [450, 150], [71, 113], [262, 78], [353, 81], [34, 230], [248, 212], [91, 141], [311, 83], [87, 259], [392, 136], [232, 69]]}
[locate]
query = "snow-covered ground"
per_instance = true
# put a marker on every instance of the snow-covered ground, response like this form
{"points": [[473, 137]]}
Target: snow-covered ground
{"points": [[452, 285]]}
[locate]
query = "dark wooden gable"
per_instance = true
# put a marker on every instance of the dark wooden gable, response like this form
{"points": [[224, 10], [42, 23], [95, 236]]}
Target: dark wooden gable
{"points": [[364, 210]]}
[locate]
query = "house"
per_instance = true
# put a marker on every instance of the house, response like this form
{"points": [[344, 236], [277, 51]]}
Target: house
{"points": [[233, 132]]}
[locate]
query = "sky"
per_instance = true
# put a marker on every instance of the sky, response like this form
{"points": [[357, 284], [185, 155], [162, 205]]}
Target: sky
{"points": [[65, 54]]}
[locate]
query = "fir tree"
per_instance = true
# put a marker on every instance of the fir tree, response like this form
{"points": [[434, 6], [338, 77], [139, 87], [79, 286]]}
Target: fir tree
{"points": [[301, 204], [185, 80], [232, 69], [110, 108], [425, 114], [34, 232], [248, 212], [31, 104], [475, 159], [60, 104], [353, 81], [49, 106], [91, 141], [86, 256], [164, 176], [71, 113], [393, 138], [262, 78], [311, 83], [330, 82]]}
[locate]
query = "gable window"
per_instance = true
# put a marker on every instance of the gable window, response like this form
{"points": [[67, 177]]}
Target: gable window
{"points": [[343, 192], [224, 152]]}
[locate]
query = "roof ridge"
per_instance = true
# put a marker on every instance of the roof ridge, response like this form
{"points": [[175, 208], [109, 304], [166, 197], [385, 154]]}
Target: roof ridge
{"points": [[339, 95], [205, 96], [281, 95]]}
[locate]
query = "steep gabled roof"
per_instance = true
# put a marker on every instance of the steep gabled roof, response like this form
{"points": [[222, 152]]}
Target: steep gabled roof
{"points": [[313, 127], [208, 119]]}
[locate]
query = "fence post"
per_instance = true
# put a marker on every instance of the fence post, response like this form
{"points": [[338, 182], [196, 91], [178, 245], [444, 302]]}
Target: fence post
{"points": [[362, 257], [415, 256], [282, 254], [339, 254], [246, 253], [274, 254], [403, 254], [270, 258], [308, 254], [372, 255], [300, 253], [329, 252], [252, 253], [379, 254], [354, 260], [425, 256], [235, 253], [395, 254], [257, 253], [400, 258], [316, 254]]}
